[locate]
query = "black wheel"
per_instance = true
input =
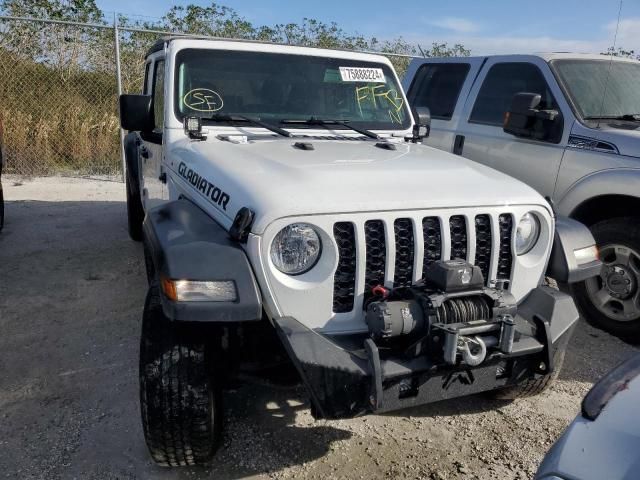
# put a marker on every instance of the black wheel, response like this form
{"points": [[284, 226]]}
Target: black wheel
{"points": [[612, 300], [135, 212], [179, 398], [536, 385]]}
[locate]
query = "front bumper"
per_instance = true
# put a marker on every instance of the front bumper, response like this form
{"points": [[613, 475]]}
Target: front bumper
{"points": [[347, 375]]}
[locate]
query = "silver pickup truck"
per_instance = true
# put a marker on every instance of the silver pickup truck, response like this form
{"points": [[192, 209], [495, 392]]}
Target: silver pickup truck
{"points": [[569, 126]]}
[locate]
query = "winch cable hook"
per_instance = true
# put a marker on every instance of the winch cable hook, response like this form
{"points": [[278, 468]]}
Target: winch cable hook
{"points": [[473, 360]]}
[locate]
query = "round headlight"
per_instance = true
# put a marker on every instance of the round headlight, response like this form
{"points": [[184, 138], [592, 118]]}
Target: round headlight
{"points": [[295, 249], [527, 233]]}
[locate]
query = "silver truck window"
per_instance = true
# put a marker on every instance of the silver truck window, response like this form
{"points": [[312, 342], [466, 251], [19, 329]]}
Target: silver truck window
{"points": [[437, 86], [584, 82], [275, 87], [158, 95], [502, 82]]}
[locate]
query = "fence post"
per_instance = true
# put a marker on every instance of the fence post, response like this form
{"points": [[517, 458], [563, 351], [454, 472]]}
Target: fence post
{"points": [[116, 33]]}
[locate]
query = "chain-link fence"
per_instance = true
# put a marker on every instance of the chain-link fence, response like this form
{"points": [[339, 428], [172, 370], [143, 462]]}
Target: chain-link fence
{"points": [[59, 85], [58, 98]]}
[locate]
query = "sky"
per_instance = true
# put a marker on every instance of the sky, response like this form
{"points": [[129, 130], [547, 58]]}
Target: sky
{"points": [[485, 27]]}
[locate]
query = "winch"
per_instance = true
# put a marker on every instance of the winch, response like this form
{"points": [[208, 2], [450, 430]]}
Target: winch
{"points": [[449, 316]]}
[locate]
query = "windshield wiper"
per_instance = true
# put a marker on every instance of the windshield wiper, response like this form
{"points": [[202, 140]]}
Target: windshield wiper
{"points": [[325, 123], [631, 117], [221, 117]]}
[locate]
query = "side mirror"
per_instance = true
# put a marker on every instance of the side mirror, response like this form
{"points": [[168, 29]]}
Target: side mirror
{"points": [[525, 118], [135, 113], [422, 123]]}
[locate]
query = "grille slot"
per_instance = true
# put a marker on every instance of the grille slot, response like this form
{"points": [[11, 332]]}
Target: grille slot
{"points": [[376, 254], [491, 237], [403, 229], [432, 236], [458, 229], [344, 284], [483, 244], [505, 257]]}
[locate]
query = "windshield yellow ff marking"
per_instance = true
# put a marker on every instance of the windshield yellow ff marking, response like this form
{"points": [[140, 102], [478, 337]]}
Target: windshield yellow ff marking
{"points": [[203, 100], [369, 93]]}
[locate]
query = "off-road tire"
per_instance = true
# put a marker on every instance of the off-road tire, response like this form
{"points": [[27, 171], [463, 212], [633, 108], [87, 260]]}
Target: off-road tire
{"points": [[179, 397], [149, 266], [536, 385], [615, 231], [1, 209], [135, 212]]}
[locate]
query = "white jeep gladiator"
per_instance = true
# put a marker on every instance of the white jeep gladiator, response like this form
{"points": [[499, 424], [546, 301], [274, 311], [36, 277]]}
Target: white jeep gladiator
{"points": [[291, 216], [568, 125]]}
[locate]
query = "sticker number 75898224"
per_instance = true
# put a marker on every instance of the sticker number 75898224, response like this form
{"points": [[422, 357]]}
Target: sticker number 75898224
{"points": [[362, 74]]}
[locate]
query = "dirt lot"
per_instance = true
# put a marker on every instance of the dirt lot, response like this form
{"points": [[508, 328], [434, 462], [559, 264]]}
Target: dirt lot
{"points": [[71, 293]]}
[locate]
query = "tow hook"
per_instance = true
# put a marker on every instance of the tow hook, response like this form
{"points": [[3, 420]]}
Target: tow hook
{"points": [[475, 358]]}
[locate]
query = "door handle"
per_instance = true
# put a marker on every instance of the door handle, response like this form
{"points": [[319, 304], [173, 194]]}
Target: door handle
{"points": [[458, 144], [163, 177]]}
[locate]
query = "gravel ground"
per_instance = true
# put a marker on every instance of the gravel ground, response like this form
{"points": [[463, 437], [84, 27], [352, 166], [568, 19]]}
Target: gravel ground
{"points": [[72, 287]]}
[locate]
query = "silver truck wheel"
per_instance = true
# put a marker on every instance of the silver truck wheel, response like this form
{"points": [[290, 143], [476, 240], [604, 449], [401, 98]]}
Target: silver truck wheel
{"points": [[611, 301]]}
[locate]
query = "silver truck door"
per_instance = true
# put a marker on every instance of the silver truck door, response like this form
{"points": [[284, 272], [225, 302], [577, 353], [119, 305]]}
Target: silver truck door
{"points": [[151, 151], [535, 162], [442, 85]]}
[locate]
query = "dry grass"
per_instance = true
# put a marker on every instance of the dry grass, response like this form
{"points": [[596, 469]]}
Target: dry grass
{"points": [[54, 123]]}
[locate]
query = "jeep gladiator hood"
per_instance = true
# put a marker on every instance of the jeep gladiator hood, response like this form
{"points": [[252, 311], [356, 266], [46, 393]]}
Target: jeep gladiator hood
{"points": [[276, 179]]}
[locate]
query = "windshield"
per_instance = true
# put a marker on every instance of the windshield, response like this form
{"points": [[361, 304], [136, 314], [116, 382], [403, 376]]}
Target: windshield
{"points": [[273, 87], [585, 82]]}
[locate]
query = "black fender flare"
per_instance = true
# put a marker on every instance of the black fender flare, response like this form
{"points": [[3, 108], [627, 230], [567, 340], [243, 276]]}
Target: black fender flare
{"points": [[132, 159], [571, 235], [184, 243]]}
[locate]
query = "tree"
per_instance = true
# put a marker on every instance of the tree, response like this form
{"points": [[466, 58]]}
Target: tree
{"points": [[64, 47]]}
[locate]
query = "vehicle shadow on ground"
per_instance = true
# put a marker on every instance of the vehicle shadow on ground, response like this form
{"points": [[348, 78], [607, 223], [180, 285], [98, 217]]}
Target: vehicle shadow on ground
{"points": [[266, 431], [286, 433]]}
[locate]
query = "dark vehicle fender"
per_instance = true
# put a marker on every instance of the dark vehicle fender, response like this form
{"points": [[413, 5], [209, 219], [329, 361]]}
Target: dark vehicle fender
{"points": [[184, 243]]}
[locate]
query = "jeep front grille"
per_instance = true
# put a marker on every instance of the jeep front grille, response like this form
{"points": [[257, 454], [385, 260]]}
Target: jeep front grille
{"points": [[403, 229], [505, 256], [343, 285], [483, 244], [415, 243], [458, 228], [432, 241], [376, 248]]}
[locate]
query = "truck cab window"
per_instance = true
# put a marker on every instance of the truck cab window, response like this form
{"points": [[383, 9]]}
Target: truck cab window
{"points": [[502, 82], [437, 86], [158, 95]]}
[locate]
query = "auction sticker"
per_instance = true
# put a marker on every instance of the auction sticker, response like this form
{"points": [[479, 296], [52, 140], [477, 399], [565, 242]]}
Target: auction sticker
{"points": [[361, 74]]}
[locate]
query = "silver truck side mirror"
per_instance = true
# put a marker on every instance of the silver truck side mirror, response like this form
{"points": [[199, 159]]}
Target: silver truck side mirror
{"points": [[525, 118], [422, 123]]}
